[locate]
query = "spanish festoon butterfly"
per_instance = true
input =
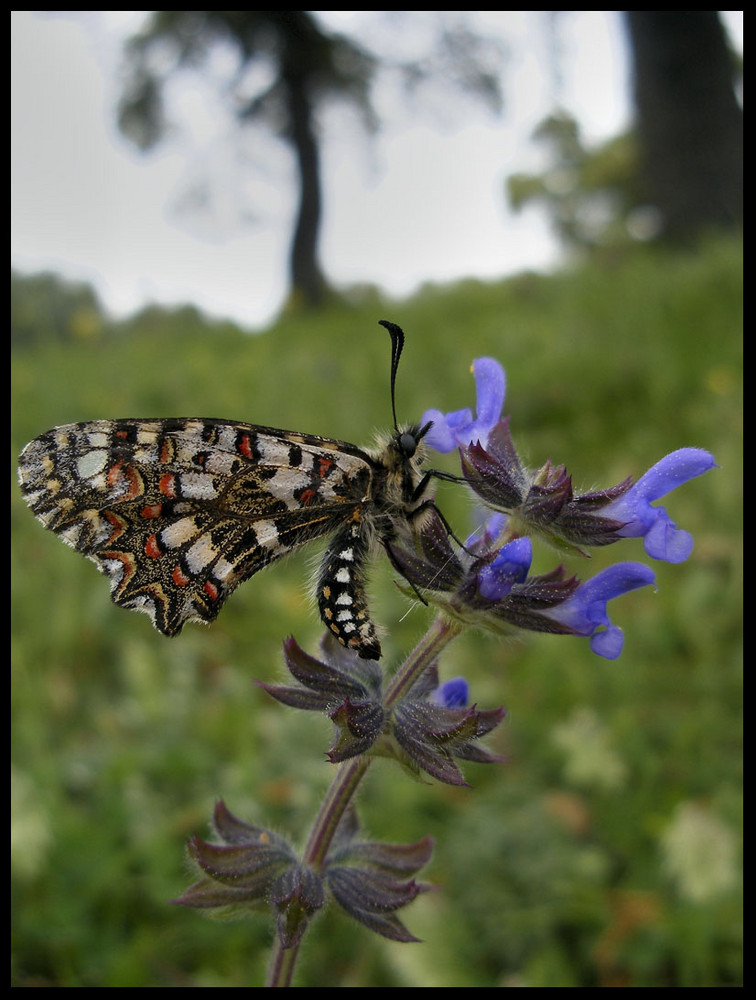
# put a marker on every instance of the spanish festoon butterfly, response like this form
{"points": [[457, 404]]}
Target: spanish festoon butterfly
{"points": [[177, 513]]}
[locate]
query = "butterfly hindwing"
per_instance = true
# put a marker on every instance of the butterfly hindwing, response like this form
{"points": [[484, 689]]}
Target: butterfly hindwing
{"points": [[177, 513]]}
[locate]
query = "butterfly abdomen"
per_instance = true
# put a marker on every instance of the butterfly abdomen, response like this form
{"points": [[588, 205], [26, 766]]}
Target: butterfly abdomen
{"points": [[341, 590]]}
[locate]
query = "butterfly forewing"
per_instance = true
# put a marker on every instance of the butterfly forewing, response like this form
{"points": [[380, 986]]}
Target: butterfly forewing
{"points": [[177, 513]]}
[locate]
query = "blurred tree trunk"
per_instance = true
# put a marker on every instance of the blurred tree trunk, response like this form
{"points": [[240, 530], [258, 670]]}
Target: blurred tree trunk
{"points": [[303, 67], [689, 122], [307, 279], [308, 67]]}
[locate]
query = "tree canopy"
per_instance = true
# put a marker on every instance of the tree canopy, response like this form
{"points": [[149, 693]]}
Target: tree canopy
{"points": [[303, 66]]}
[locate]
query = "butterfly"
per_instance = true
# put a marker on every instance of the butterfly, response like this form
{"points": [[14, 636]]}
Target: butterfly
{"points": [[177, 513]]}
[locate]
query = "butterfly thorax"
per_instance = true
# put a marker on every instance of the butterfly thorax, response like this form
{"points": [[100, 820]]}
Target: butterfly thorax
{"points": [[399, 484], [398, 491]]}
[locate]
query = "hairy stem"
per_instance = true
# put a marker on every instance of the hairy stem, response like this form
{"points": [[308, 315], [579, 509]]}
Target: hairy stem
{"points": [[435, 640], [347, 781]]}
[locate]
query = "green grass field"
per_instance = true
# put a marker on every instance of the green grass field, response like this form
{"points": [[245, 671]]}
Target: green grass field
{"points": [[606, 852]]}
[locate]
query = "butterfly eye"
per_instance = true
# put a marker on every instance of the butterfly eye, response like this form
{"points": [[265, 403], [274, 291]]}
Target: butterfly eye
{"points": [[407, 444]]}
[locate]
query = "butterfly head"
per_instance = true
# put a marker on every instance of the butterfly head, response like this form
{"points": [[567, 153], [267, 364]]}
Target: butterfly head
{"points": [[406, 447]]}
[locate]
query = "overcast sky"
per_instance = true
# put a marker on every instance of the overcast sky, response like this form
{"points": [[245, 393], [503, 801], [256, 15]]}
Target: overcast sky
{"points": [[421, 201]]}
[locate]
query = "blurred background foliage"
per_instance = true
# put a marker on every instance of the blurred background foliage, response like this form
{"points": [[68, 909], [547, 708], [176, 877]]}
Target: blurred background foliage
{"points": [[677, 172], [606, 852]]}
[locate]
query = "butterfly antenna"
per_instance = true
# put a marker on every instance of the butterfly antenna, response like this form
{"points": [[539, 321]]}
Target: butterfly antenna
{"points": [[397, 343]]}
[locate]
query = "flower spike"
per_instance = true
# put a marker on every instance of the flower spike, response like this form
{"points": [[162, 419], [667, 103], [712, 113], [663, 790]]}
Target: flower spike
{"points": [[543, 502], [488, 585]]}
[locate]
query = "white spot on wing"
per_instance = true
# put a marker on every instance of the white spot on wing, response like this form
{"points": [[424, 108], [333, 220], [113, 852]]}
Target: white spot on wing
{"points": [[266, 533], [197, 486], [220, 463], [178, 533], [223, 569], [71, 534], [200, 554], [91, 463], [284, 484], [272, 451], [113, 568]]}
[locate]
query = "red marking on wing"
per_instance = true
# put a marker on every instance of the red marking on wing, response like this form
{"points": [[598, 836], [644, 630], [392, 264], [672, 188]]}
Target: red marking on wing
{"points": [[167, 485], [179, 577], [151, 548], [166, 451], [114, 473], [324, 465], [152, 510], [211, 590], [127, 562], [118, 472], [244, 446], [306, 497], [116, 522]]}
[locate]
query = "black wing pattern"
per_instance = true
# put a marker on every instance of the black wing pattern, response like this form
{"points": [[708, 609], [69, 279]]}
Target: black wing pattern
{"points": [[177, 513]]}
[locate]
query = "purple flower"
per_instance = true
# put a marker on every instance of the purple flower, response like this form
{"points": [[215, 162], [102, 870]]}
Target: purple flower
{"points": [[482, 542], [460, 427], [372, 880], [452, 694], [510, 566], [544, 502], [582, 610], [344, 686], [585, 612], [427, 728], [662, 538], [488, 584]]}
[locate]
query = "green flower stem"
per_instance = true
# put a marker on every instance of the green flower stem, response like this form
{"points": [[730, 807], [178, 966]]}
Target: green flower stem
{"points": [[350, 774]]}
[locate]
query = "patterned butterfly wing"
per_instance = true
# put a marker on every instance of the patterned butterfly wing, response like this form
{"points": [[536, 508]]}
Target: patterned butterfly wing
{"points": [[177, 513]]}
